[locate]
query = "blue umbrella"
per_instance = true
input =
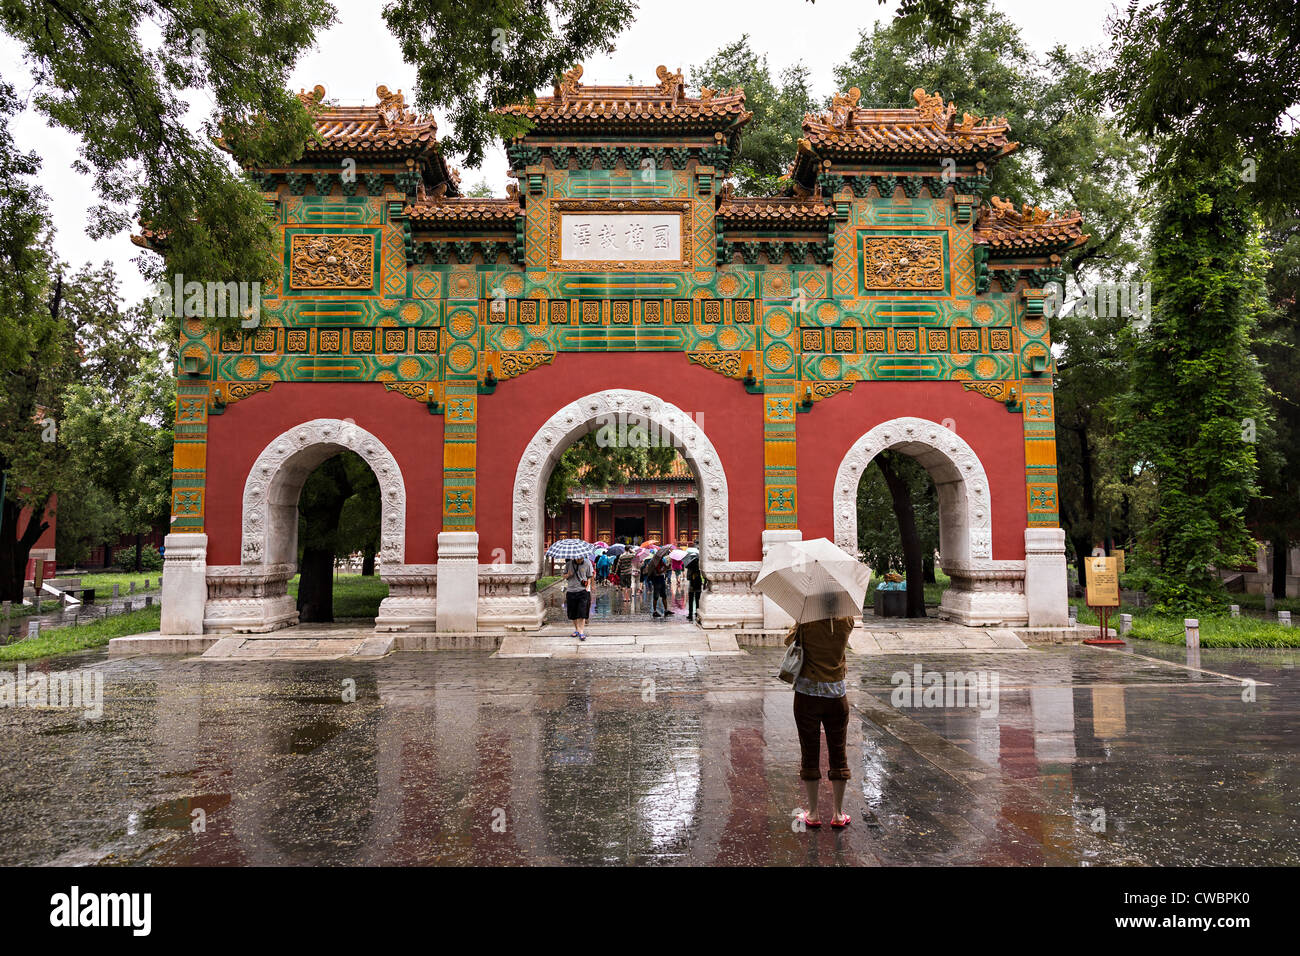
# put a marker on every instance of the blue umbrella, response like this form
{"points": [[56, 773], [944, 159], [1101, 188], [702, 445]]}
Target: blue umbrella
{"points": [[567, 548], [617, 549]]}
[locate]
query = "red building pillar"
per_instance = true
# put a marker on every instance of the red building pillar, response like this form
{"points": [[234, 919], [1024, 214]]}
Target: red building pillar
{"points": [[586, 519], [672, 522]]}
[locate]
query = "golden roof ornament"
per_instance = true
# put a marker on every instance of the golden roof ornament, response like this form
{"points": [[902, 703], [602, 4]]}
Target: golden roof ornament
{"points": [[670, 84], [569, 84], [392, 106], [842, 107]]}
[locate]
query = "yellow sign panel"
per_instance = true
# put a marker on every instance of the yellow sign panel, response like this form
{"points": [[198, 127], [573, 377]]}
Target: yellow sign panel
{"points": [[1103, 582]]}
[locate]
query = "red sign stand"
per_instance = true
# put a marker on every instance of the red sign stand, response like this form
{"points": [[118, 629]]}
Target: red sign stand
{"points": [[1103, 639]]}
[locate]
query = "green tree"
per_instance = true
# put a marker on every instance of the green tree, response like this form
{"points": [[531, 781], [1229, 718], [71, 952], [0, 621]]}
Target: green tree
{"points": [[593, 462], [474, 58], [338, 513], [898, 523], [118, 440], [770, 138], [1194, 408], [126, 98]]}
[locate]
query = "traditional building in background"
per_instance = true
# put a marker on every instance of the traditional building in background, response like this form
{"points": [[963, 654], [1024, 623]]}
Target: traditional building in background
{"points": [[459, 345]]}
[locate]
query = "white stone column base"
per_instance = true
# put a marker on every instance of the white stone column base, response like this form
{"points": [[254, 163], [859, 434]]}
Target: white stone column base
{"points": [[507, 597], [457, 607], [249, 599], [1046, 577], [775, 619], [985, 593], [731, 602], [412, 602], [184, 584]]}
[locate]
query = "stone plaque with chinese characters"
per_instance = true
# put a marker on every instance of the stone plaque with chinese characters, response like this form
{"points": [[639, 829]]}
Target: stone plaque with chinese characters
{"points": [[903, 262], [632, 236], [331, 262]]}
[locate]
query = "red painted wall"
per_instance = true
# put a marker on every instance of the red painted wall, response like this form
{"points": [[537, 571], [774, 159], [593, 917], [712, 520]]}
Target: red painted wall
{"points": [[731, 418], [236, 438], [825, 435]]}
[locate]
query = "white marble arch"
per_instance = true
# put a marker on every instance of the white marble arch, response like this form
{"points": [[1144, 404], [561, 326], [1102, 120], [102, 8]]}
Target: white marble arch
{"points": [[507, 596], [252, 596], [984, 591], [588, 414]]}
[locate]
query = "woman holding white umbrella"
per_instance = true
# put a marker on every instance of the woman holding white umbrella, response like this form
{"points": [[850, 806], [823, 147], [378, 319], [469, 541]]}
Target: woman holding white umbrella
{"points": [[822, 588]]}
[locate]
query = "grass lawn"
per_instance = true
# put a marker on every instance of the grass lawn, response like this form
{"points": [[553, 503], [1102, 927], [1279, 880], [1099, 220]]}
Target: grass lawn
{"points": [[103, 581], [64, 640], [545, 582], [355, 595], [23, 610], [1219, 630]]}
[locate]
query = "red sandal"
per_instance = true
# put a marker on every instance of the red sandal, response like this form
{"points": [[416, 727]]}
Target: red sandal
{"points": [[840, 826], [810, 824]]}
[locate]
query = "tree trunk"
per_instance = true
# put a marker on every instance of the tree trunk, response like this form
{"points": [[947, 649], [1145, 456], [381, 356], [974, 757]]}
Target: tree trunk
{"points": [[368, 562], [907, 533], [1082, 549], [927, 567], [139, 552], [108, 554], [16, 548], [316, 586], [1281, 552], [321, 522]]}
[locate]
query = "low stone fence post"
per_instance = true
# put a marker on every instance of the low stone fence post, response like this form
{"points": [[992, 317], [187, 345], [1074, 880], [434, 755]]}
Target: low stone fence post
{"points": [[1192, 632]]}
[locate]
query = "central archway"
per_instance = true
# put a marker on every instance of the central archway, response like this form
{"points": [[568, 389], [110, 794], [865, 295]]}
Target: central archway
{"points": [[619, 408]]}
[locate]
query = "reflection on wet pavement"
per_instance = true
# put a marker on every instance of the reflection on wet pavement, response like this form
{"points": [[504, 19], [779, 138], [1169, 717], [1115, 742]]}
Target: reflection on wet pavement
{"points": [[1086, 756]]}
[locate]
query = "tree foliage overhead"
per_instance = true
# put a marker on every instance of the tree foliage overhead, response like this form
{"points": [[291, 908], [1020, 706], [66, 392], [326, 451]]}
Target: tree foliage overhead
{"points": [[474, 58], [99, 76], [770, 139]]}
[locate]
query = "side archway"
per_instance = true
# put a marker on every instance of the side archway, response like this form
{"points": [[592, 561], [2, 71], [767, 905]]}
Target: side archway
{"points": [[252, 597], [983, 591]]}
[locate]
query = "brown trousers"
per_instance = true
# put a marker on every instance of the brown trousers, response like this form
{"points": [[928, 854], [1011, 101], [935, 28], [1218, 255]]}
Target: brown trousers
{"points": [[811, 714]]}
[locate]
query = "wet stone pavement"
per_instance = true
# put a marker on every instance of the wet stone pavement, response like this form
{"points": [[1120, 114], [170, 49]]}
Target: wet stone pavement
{"points": [[1082, 756]]}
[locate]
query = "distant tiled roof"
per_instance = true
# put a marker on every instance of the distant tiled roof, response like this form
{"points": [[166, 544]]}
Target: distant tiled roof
{"points": [[930, 129], [680, 469], [573, 106], [385, 128], [773, 210], [1028, 230], [463, 209]]}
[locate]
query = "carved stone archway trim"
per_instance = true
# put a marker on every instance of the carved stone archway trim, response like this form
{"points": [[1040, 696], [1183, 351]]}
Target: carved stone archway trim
{"points": [[589, 413], [275, 480], [966, 521]]}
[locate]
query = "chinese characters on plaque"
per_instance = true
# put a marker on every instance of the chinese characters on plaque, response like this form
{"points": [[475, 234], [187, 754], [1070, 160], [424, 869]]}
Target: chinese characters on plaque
{"points": [[621, 237]]}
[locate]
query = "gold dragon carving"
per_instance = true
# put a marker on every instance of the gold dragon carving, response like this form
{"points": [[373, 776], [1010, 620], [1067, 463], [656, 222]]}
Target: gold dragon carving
{"points": [[331, 262], [903, 262]]}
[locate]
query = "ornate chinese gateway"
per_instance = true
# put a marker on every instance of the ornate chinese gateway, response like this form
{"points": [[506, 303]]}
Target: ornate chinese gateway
{"points": [[460, 344]]}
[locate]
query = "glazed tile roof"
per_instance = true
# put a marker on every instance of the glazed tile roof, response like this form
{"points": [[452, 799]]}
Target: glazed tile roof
{"points": [[385, 128], [930, 129], [573, 106], [1011, 231], [775, 210], [464, 209]]}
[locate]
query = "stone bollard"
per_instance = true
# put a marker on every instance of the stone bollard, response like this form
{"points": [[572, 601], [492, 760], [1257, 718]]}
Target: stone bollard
{"points": [[7, 606], [34, 628], [146, 584], [1074, 616], [1284, 618], [117, 591], [148, 601], [1125, 624], [131, 589], [1234, 610], [1268, 601], [126, 606], [1192, 632]]}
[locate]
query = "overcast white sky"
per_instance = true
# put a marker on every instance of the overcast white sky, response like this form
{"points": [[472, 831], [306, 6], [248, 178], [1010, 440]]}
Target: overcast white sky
{"points": [[358, 54]]}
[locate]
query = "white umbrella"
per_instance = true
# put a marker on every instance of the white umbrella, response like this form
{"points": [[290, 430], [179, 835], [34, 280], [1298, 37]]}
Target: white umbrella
{"points": [[813, 579]]}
